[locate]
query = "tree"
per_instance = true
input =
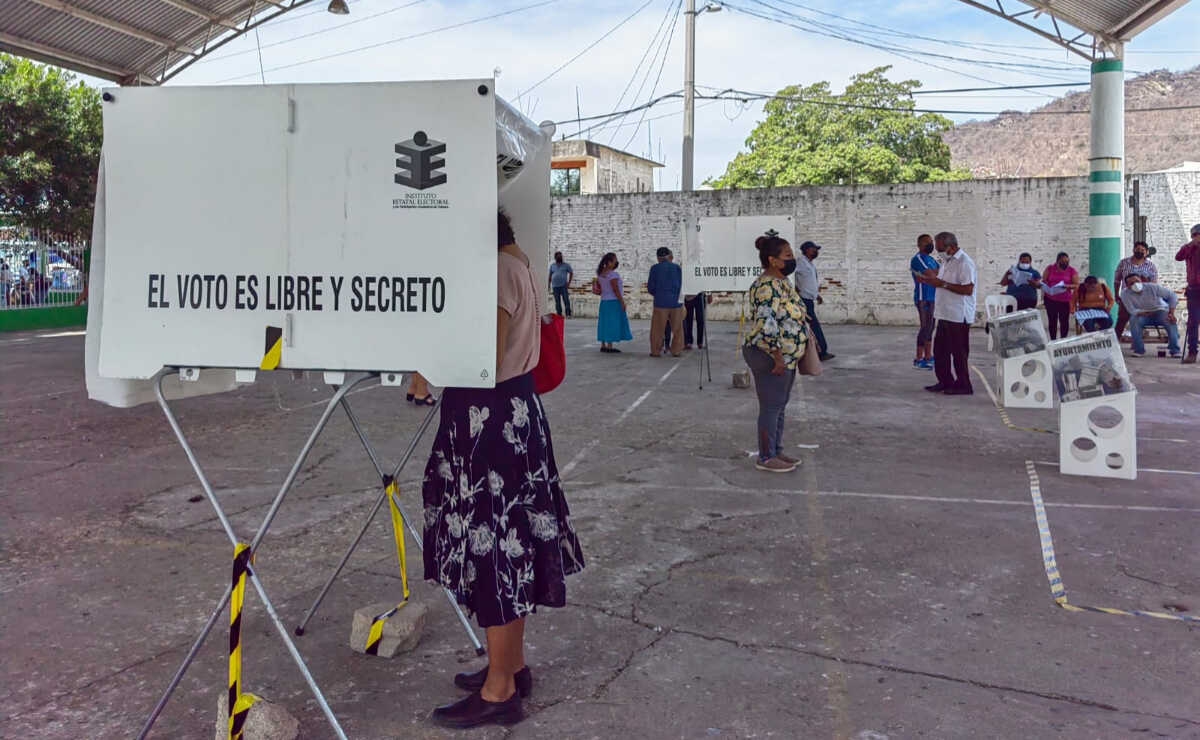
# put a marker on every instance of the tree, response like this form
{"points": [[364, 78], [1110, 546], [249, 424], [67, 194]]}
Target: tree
{"points": [[50, 149], [868, 134]]}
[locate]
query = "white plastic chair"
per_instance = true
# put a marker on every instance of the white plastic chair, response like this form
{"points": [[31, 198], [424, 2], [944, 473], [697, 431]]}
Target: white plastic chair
{"points": [[997, 305]]}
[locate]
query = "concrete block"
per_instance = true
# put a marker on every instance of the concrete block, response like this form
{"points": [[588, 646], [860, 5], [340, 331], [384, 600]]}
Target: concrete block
{"points": [[266, 720], [401, 632]]}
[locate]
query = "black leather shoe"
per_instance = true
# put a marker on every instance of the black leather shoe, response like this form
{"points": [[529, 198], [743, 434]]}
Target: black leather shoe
{"points": [[960, 391], [473, 710], [826, 356], [935, 388], [474, 681]]}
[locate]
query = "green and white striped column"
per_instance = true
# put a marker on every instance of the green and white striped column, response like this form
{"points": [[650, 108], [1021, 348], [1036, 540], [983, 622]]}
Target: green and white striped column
{"points": [[1106, 198]]}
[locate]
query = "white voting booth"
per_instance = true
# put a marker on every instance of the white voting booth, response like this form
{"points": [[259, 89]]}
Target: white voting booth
{"points": [[718, 254], [347, 229]]}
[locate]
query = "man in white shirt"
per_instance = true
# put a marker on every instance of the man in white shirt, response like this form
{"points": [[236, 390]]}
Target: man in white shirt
{"points": [[808, 285], [954, 312]]}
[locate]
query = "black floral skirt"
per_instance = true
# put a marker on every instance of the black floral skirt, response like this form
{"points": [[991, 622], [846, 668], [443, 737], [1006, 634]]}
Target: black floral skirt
{"points": [[497, 530]]}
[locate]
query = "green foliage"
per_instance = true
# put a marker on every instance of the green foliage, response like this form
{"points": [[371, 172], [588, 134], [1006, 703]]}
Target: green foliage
{"points": [[867, 135], [49, 148]]}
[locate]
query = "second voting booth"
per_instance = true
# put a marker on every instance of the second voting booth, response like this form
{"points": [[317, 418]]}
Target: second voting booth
{"points": [[343, 229]]}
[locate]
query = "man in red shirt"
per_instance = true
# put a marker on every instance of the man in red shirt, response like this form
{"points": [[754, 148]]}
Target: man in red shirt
{"points": [[1190, 253]]}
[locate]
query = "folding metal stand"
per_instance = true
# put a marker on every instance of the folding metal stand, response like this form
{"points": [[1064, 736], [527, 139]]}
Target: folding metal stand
{"points": [[338, 399], [705, 360], [386, 481]]}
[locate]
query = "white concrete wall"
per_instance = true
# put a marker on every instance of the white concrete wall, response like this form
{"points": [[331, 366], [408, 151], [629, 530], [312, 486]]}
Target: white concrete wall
{"points": [[869, 233]]}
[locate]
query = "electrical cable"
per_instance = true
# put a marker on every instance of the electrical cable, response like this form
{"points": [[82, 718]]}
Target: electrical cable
{"points": [[917, 59], [318, 32], [398, 39], [653, 39], [670, 37], [585, 50]]}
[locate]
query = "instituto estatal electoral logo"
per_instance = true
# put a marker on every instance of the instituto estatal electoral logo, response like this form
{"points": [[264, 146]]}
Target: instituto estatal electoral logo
{"points": [[421, 161]]}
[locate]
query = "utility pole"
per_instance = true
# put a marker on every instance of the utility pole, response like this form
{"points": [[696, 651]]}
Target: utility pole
{"points": [[689, 93], [689, 87]]}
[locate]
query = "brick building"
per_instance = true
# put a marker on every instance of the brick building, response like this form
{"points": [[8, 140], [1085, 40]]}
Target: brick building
{"points": [[581, 167]]}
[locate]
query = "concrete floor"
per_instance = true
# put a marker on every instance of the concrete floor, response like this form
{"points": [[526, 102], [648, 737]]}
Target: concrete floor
{"points": [[893, 587]]}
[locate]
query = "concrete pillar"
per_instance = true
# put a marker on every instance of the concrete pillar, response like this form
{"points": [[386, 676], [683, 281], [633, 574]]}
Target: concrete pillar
{"points": [[1106, 199]]}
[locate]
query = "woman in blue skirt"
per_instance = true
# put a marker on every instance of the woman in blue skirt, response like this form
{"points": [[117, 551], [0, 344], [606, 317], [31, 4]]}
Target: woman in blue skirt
{"points": [[614, 322]]}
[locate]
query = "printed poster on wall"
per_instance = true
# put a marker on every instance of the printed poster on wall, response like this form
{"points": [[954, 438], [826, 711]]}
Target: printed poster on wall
{"points": [[322, 227]]}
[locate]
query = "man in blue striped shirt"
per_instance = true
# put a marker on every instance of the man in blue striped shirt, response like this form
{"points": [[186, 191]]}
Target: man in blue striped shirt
{"points": [[923, 299]]}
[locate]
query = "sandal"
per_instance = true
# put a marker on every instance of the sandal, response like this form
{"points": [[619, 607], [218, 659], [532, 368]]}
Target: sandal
{"points": [[426, 401]]}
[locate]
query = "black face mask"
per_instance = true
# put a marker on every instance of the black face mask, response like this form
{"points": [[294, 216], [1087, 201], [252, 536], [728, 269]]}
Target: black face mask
{"points": [[789, 266], [927, 249]]}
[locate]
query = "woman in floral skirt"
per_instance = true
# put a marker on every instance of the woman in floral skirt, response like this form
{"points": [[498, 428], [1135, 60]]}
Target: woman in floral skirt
{"points": [[497, 530]]}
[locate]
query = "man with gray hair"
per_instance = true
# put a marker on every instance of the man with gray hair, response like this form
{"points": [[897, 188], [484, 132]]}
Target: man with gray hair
{"points": [[1190, 253], [954, 311]]}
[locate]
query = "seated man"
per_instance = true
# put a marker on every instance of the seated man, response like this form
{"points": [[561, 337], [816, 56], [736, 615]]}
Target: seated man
{"points": [[1150, 304]]}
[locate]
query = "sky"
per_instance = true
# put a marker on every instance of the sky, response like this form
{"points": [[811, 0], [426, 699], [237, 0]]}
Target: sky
{"points": [[556, 59]]}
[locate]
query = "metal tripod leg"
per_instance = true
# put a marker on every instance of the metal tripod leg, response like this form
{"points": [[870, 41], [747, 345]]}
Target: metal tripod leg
{"points": [[375, 511], [258, 537]]}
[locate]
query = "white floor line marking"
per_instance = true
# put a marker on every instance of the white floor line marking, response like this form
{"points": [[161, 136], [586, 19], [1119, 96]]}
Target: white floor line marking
{"points": [[62, 334], [633, 406], [914, 497], [1167, 439], [577, 459], [1140, 470], [809, 447], [579, 456]]}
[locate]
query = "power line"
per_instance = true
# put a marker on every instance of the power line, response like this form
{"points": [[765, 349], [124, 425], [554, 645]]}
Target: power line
{"points": [[585, 50], [893, 51], [318, 32], [398, 39], [670, 37], [653, 39]]}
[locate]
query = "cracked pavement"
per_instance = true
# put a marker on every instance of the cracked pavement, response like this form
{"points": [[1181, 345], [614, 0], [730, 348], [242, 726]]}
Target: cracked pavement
{"points": [[893, 587]]}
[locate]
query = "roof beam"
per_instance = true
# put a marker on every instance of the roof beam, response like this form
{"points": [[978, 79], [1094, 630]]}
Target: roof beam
{"points": [[114, 25], [1070, 45], [57, 57], [200, 12], [1146, 16]]}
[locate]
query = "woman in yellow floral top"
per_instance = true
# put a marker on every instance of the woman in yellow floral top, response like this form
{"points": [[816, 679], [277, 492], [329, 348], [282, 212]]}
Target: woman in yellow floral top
{"points": [[774, 345]]}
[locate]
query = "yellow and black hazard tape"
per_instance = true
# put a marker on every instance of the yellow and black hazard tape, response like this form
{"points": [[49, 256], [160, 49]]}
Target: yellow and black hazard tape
{"points": [[375, 635], [239, 703], [1003, 412], [273, 349], [1057, 590]]}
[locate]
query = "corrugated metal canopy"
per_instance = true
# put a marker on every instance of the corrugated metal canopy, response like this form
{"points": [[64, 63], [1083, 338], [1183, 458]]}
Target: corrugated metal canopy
{"points": [[133, 42], [1100, 26], [147, 42]]}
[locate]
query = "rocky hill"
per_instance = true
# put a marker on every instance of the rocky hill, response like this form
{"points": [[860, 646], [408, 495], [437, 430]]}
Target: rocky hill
{"points": [[1038, 145]]}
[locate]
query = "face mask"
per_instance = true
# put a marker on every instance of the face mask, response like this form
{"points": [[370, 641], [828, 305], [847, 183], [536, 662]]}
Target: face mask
{"points": [[1139, 255], [789, 266], [1064, 264], [1136, 287], [927, 249], [1025, 265]]}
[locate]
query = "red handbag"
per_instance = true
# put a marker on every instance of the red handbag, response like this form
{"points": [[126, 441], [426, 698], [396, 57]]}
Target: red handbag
{"points": [[552, 363]]}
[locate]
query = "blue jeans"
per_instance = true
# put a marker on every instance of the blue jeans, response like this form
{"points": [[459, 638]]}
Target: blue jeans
{"points": [[1158, 318], [562, 299], [773, 391], [815, 323]]}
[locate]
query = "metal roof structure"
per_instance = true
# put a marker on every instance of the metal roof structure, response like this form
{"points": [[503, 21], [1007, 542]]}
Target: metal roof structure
{"points": [[1093, 29], [147, 42], [131, 42]]}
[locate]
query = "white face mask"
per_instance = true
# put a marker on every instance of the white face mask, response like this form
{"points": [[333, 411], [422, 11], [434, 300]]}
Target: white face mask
{"points": [[1025, 265], [1136, 287]]}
